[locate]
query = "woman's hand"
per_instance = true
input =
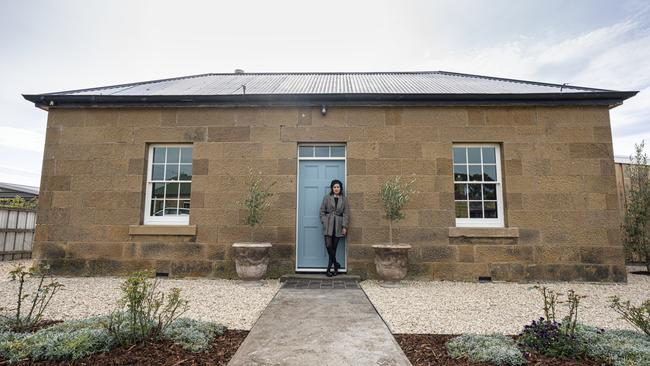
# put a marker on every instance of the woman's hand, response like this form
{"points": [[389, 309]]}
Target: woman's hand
{"points": [[344, 231]]}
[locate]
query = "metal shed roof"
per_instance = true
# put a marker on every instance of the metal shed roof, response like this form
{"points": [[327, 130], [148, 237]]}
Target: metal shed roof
{"points": [[353, 87]]}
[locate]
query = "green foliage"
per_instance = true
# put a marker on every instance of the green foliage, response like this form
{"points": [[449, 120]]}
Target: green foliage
{"points": [[638, 316], [144, 312], [70, 340], [30, 306], [19, 202], [258, 199], [394, 195], [618, 347], [636, 224], [192, 335], [494, 348], [550, 337]]}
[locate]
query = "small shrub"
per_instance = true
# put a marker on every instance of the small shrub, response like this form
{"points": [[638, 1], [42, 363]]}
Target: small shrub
{"points": [[618, 347], [550, 337], [495, 348], [192, 335], [639, 316], [70, 340], [29, 307], [144, 312]]}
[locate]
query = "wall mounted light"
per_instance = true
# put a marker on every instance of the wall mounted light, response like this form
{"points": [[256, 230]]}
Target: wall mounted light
{"points": [[323, 110]]}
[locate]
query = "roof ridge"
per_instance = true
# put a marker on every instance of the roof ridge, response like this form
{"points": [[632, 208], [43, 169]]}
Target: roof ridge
{"points": [[521, 81]]}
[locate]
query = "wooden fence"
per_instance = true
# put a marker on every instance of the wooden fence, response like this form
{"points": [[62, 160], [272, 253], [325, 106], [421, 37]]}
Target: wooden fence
{"points": [[16, 233]]}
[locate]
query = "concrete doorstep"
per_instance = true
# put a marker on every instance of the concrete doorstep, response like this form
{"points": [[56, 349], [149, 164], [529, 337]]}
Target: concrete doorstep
{"points": [[319, 327]]}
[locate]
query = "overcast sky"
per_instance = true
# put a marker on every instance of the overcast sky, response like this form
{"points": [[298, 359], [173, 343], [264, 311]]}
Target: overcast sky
{"points": [[60, 45]]}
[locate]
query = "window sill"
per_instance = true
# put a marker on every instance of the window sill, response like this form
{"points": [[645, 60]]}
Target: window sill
{"points": [[186, 230], [483, 232]]}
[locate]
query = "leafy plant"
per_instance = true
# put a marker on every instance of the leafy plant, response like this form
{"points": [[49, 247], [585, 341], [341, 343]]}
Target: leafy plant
{"points": [[258, 199], [30, 306], [550, 337], [19, 202], [193, 335], [636, 224], [144, 312], [639, 316], [618, 347], [394, 195], [494, 348]]}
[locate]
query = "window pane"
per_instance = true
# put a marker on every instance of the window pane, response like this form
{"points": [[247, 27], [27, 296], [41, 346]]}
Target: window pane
{"points": [[489, 156], [158, 190], [490, 210], [322, 151], [173, 155], [172, 172], [460, 191], [306, 151], [489, 191], [171, 207], [460, 173], [186, 155], [185, 172], [172, 190], [159, 154], [475, 192], [473, 155], [476, 210], [461, 210], [490, 173], [184, 208], [156, 207], [185, 190], [459, 155], [158, 172], [475, 173], [338, 151]]}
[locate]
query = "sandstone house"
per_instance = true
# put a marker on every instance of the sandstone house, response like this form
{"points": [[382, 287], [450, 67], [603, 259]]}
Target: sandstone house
{"points": [[515, 179]]}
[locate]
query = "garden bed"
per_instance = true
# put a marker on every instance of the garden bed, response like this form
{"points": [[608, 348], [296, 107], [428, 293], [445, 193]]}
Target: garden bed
{"points": [[160, 353], [430, 350]]}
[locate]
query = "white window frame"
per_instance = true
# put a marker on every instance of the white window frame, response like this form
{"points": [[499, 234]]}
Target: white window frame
{"points": [[483, 222], [163, 220]]}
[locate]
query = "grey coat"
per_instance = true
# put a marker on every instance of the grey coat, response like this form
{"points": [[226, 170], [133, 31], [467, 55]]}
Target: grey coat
{"points": [[337, 217]]}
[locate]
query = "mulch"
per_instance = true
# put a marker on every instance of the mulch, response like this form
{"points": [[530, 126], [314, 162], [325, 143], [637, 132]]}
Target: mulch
{"points": [[161, 353], [430, 350]]}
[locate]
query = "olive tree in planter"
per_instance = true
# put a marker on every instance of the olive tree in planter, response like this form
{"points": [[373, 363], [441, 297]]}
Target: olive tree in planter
{"points": [[391, 260], [252, 258]]}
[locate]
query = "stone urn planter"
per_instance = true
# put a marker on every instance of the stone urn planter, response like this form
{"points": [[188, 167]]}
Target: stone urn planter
{"points": [[391, 261], [251, 261]]}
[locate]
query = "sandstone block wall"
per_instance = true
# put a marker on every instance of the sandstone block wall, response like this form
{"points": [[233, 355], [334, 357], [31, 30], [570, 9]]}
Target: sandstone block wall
{"points": [[558, 183]]}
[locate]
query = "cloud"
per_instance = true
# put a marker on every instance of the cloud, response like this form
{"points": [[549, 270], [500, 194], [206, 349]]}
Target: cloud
{"points": [[21, 139]]}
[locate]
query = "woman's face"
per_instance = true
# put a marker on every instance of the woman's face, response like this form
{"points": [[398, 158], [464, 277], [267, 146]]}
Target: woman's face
{"points": [[336, 188]]}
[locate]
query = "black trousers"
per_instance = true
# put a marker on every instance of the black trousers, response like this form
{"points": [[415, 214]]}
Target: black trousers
{"points": [[331, 242]]}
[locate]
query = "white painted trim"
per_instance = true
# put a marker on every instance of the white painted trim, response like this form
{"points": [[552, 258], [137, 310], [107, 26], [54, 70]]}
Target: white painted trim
{"points": [[162, 220], [345, 170], [475, 222]]}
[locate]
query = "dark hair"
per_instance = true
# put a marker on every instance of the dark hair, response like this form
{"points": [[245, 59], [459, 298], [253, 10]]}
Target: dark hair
{"points": [[336, 181]]}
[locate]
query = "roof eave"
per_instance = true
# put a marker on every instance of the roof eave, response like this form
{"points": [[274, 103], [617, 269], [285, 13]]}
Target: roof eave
{"points": [[608, 98]]}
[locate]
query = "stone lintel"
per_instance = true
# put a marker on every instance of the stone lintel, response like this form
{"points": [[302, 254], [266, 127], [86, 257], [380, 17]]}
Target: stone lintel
{"points": [[187, 230], [483, 232]]}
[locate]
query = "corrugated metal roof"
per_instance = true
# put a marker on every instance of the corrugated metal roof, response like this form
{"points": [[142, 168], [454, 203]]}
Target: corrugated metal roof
{"points": [[19, 188], [407, 83]]}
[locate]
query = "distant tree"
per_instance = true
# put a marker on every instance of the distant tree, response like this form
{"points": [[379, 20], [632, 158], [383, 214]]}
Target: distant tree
{"points": [[636, 225], [18, 202]]}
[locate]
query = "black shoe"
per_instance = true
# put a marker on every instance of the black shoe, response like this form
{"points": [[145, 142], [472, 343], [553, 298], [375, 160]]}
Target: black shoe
{"points": [[329, 274], [336, 271], [337, 265]]}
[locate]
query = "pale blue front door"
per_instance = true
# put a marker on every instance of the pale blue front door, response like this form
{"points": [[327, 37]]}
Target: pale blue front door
{"points": [[313, 184]]}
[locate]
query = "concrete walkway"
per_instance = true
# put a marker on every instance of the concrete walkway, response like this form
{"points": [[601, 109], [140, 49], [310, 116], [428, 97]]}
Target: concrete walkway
{"points": [[319, 327]]}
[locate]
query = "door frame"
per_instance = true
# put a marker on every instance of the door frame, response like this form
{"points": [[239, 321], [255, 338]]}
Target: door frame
{"points": [[345, 178]]}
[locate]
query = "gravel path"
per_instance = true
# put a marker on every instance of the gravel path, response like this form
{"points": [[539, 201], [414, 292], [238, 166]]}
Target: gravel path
{"points": [[459, 307], [221, 301]]}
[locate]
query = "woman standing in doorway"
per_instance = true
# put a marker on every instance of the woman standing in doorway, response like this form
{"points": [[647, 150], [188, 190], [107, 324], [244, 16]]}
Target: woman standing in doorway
{"points": [[334, 216]]}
